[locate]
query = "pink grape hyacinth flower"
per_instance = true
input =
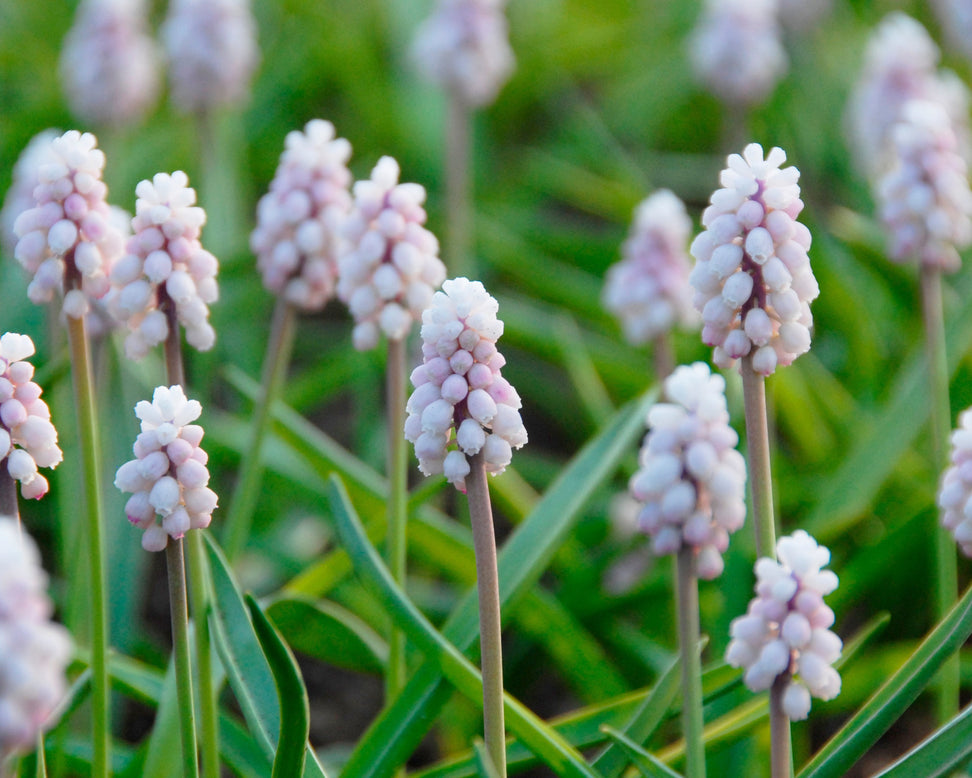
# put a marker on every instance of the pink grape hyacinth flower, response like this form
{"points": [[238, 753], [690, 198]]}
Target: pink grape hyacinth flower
{"points": [[28, 440], [34, 650], [298, 237], [786, 630], [20, 195], [691, 480], [70, 234], [164, 262], [955, 494], [753, 282], [391, 267], [648, 290], [462, 404], [168, 479]]}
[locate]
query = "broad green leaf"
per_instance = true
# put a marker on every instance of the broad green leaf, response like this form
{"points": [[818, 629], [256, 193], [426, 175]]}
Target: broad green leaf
{"points": [[648, 764], [326, 631], [522, 559], [894, 697], [292, 696], [943, 752], [240, 751], [165, 739], [541, 739]]}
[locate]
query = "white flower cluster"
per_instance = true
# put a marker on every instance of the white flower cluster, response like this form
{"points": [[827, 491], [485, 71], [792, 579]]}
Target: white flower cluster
{"points": [[109, 63], [464, 46], [391, 268], [459, 389], [753, 279], [648, 289], [69, 234], [786, 628], [212, 52], [690, 478], [924, 198], [28, 440], [168, 479], [900, 64], [737, 49], [165, 264], [34, 651], [955, 494], [298, 236], [20, 195]]}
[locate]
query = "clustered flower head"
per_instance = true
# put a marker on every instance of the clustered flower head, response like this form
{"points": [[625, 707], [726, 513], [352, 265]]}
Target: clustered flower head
{"points": [[391, 266], [168, 478], [464, 46], [690, 478], [212, 52], [70, 231], [109, 64], [955, 494], [34, 651], [925, 200], [753, 282], [298, 236], [28, 440], [648, 289], [900, 65], [20, 195], [459, 392], [785, 631], [165, 264], [737, 50]]}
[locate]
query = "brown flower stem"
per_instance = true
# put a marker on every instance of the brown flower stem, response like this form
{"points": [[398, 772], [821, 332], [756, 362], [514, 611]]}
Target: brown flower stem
{"points": [[396, 548], [687, 599], [663, 357], [458, 222], [490, 640], [781, 759], [8, 493], [946, 573], [758, 454]]}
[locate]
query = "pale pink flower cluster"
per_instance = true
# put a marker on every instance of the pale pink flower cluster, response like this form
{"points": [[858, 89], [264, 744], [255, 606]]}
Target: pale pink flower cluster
{"points": [[753, 279], [298, 236], [212, 52], [109, 63], [28, 440], [165, 262], [459, 390], [168, 478], [20, 195], [924, 197], [955, 494], [34, 650], [648, 289], [900, 64], [690, 478], [737, 49], [786, 629], [464, 47], [70, 231], [391, 266]]}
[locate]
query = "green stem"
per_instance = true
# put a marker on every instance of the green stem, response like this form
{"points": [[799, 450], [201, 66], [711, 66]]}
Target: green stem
{"points": [[198, 588], [687, 589], [180, 647], [663, 357], [396, 549], [458, 254], [758, 454], [946, 575], [490, 640], [243, 503], [781, 760], [91, 489]]}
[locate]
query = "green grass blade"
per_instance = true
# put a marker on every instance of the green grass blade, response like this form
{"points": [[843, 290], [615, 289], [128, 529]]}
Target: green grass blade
{"points": [[888, 703], [648, 764], [542, 739], [294, 705], [946, 750], [239, 750], [484, 765]]}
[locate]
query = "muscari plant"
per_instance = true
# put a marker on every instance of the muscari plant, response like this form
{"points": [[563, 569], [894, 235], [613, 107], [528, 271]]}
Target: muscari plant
{"points": [[235, 698]]}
